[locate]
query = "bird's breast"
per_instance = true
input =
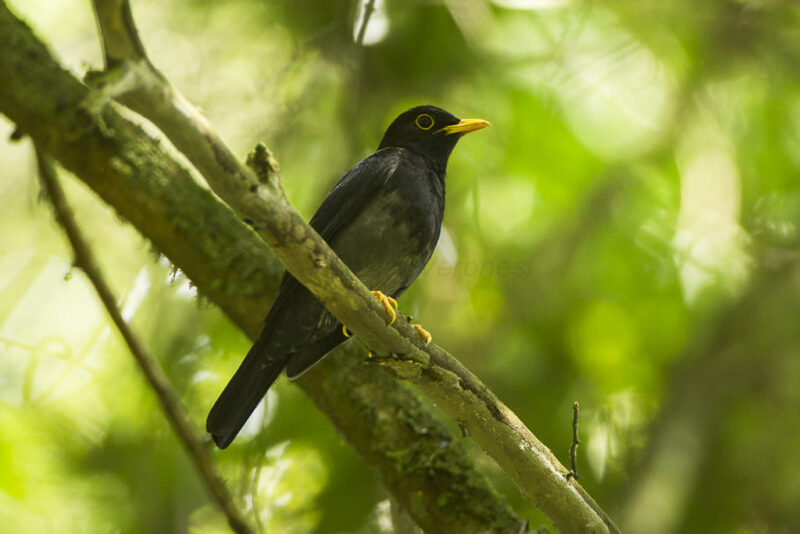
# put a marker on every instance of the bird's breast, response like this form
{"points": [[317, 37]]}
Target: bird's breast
{"points": [[391, 240]]}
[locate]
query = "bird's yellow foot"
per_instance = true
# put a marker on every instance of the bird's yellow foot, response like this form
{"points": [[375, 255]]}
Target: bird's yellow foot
{"points": [[423, 333], [388, 303], [345, 332]]}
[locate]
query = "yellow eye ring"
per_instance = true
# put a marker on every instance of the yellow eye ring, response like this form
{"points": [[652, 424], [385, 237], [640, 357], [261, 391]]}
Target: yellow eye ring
{"points": [[423, 119]]}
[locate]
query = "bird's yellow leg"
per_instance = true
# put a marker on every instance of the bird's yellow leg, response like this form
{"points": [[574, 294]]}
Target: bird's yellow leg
{"points": [[423, 333], [388, 303]]}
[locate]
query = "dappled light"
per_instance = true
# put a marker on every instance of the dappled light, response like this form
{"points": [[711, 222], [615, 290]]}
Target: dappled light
{"points": [[625, 235]]}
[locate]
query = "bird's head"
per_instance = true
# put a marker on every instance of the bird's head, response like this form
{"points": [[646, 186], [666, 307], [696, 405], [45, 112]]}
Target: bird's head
{"points": [[430, 132]]}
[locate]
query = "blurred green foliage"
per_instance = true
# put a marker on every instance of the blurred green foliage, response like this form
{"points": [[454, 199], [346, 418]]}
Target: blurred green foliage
{"points": [[639, 178]]}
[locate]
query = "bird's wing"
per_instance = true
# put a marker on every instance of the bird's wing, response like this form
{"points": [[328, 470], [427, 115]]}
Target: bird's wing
{"points": [[344, 202], [263, 365], [354, 191]]}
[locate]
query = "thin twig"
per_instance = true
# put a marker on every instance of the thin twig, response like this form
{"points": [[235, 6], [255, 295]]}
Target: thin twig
{"points": [[369, 7], [573, 448], [155, 376]]}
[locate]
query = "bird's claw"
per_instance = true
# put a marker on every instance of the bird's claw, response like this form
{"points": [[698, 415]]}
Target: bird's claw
{"points": [[426, 336], [389, 304]]}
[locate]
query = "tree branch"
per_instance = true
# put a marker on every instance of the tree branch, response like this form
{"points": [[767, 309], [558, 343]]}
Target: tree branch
{"points": [[307, 256], [132, 79], [123, 42], [383, 420], [536, 471], [155, 376], [369, 7]]}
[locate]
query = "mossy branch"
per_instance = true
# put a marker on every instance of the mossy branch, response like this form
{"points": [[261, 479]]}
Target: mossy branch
{"points": [[380, 417]]}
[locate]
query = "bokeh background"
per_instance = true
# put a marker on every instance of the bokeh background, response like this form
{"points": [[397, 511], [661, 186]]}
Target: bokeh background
{"points": [[624, 235]]}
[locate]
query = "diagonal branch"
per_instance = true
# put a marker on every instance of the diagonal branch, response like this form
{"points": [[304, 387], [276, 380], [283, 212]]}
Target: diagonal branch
{"points": [[132, 79], [155, 376], [538, 474]]}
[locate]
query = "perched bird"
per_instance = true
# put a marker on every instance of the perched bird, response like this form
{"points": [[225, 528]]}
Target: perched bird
{"points": [[383, 220]]}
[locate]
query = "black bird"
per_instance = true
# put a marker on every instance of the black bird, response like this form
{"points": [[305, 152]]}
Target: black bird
{"points": [[383, 220]]}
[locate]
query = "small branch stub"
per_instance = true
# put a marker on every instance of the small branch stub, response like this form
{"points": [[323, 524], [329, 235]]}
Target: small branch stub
{"points": [[264, 164]]}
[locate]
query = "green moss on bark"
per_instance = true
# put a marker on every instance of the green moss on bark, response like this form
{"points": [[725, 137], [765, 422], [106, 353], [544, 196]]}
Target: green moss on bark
{"points": [[425, 469]]}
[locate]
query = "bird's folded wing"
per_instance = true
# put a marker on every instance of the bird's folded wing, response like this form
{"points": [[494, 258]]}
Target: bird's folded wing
{"points": [[342, 205], [354, 192]]}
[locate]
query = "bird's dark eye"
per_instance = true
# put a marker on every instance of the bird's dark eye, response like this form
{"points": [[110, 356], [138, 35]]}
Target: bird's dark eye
{"points": [[424, 121]]}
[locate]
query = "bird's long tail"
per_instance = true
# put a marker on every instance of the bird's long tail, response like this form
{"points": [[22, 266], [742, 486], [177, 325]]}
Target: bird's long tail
{"points": [[242, 394]]}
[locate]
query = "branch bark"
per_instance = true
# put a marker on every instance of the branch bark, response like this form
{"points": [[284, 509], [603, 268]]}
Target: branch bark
{"points": [[538, 474]]}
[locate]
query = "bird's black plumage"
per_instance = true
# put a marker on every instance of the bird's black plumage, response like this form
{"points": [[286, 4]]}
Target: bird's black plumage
{"points": [[383, 220]]}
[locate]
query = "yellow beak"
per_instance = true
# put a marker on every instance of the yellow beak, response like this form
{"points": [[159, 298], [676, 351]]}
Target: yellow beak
{"points": [[464, 126]]}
